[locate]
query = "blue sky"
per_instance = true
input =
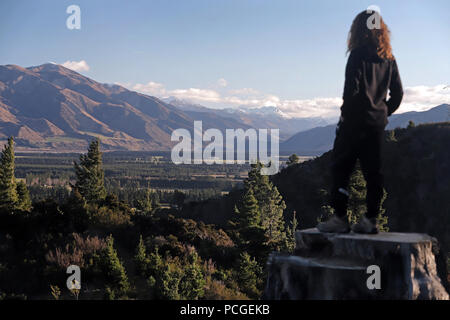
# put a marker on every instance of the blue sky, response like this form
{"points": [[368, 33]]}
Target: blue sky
{"points": [[230, 53]]}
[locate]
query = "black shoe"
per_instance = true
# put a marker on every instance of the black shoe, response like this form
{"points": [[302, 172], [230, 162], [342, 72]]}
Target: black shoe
{"points": [[334, 225], [366, 225]]}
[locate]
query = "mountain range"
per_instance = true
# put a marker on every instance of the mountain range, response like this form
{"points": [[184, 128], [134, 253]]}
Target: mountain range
{"points": [[259, 118], [320, 139], [50, 107], [53, 108]]}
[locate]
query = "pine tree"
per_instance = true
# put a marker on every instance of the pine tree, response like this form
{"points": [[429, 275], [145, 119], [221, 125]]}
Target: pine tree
{"points": [[382, 219], [89, 174], [271, 206], [357, 200], [246, 224], [290, 246], [273, 219], [13, 194], [168, 282], [113, 269], [145, 203], [249, 276], [357, 206], [257, 182], [155, 262], [193, 281], [24, 201], [247, 214], [8, 191], [141, 257], [391, 136], [293, 159]]}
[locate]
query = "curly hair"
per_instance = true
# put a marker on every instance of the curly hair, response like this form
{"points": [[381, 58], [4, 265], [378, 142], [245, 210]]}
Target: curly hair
{"points": [[377, 38]]}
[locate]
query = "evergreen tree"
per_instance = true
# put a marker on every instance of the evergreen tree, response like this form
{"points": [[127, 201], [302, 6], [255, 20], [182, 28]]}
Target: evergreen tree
{"points": [[391, 136], [257, 182], [24, 201], [271, 206], [113, 269], [411, 124], [357, 202], [246, 223], [273, 219], [145, 203], [89, 174], [291, 234], [382, 219], [155, 262], [141, 257], [167, 282], [8, 191], [293, 159], [247, 214], [249, 276], [193, 281]]}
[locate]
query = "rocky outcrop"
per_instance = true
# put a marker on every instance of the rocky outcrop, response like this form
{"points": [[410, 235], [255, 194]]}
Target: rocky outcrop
{"points": [[354, 266]]}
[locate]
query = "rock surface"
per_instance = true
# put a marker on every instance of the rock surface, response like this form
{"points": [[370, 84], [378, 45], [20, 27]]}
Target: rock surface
{"points": [[335, 266]]}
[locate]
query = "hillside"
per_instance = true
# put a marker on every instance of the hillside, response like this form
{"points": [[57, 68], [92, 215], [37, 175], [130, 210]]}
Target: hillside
{"points": [[319, 140], [417, 180], [52, 108]]}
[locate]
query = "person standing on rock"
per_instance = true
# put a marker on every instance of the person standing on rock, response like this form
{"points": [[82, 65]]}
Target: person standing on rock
{"points": [[370, 73]]}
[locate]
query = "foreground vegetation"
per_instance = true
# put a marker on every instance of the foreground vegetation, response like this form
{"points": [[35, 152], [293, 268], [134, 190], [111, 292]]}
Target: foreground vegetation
{"points": [[136, 247], [137, 252]]}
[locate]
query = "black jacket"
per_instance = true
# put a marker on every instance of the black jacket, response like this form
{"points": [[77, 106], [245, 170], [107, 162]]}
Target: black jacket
{"points": [[367, 81]]}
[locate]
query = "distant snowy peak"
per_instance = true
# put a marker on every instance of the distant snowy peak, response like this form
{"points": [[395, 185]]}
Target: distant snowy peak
{"points": [[259, 111], [186, 105], [269, 111]]}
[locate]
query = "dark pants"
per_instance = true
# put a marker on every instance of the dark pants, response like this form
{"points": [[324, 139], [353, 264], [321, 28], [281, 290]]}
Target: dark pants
{"points": [[354, 143]]}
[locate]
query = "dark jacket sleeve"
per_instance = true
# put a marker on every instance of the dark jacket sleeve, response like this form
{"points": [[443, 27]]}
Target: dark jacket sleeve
{"points": [[353, 72], [395, 90]]}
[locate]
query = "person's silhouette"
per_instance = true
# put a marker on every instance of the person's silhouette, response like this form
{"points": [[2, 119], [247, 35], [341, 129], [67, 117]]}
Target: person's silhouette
{"points": [[371, 72]]}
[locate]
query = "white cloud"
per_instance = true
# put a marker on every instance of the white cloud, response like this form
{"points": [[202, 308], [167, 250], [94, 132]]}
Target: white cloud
{"points": [[196, 95], [316, 107], [421, 98], [76, 65], [191, 94], [151, 88], [418, 98]]}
